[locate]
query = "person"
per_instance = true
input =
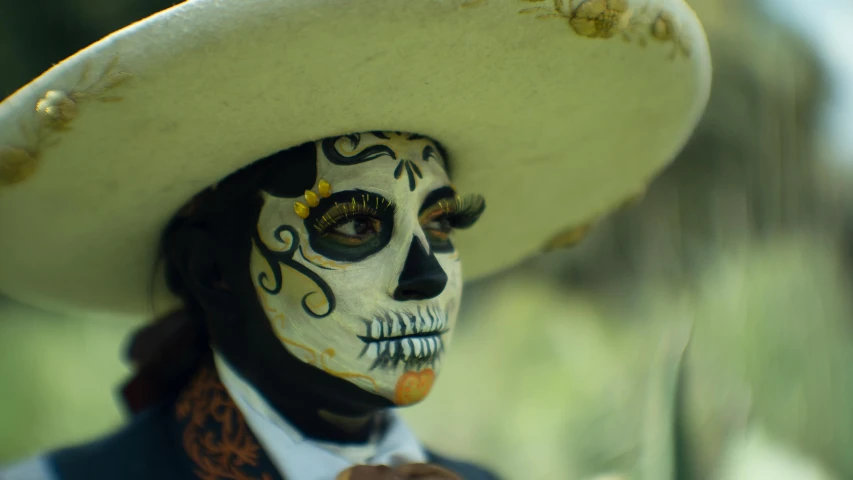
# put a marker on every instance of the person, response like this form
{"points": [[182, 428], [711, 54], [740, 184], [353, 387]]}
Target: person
{"points": [[307, 180]]}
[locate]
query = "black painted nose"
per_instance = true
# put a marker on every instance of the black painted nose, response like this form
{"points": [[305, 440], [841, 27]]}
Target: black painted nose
{"points": [[422, 276]]}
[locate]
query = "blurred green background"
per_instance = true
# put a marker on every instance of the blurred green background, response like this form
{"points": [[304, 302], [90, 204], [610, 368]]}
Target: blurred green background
{"points": [[746, 241]]}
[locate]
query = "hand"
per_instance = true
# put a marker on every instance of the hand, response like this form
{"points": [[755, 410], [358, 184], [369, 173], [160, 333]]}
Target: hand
{"points": [[411, 471]]}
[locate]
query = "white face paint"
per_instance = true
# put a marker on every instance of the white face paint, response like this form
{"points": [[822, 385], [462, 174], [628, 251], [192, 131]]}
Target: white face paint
{"points": [[369, 285]]}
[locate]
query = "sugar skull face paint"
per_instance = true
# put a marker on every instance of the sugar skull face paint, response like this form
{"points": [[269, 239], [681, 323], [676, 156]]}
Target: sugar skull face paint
{"points": [[359, 276]]}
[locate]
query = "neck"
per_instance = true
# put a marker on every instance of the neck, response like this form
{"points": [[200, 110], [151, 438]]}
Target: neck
{"points": [[327, 426], [346, 423], [302, 414]]}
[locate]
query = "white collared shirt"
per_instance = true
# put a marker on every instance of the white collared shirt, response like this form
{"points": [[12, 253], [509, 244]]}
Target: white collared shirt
{"points": [[298, 457]]}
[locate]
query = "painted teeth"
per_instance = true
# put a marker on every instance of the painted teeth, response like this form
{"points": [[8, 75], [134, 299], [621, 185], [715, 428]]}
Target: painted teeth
{"points": [[407, 348], [387, 344], [400, 325], [392, 325]]}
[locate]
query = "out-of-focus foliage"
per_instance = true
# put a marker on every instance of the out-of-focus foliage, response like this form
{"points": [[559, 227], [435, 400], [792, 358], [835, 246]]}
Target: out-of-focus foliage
{"points": [[742, 238], [549, 376], [752, 169], [35, 34], [554, 386], [58, 376]]}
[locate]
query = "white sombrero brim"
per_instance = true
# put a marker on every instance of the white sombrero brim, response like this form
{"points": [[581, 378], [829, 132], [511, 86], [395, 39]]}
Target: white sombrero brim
{"points": [[553, 127]]}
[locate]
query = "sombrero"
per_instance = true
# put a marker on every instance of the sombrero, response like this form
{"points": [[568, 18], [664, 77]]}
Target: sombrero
{"points": [[555, 110]]}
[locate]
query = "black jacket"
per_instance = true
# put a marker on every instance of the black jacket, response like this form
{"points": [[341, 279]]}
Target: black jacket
{"points": [[198, 435]]}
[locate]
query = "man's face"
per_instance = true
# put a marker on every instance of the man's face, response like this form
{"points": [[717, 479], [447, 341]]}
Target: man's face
{"points": [[358, 277]]}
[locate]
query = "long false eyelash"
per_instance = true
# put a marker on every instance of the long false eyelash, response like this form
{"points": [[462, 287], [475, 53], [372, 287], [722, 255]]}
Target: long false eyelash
{"points": [[342, 211], [464, 211]]}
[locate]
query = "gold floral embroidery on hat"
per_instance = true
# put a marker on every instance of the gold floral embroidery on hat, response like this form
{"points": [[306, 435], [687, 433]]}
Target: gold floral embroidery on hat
{"points": [[16, 165], [57, 108], [54, 112], [611, 18], [568, 238]]}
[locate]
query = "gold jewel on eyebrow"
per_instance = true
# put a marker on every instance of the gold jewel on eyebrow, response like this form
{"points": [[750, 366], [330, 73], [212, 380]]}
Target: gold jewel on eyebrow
{"points": [[301, 210], [324, 188], [312, 198]]}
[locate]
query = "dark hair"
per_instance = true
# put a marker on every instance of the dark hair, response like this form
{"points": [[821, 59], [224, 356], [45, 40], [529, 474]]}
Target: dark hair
{"points": [[226, 211], [167, 351]]}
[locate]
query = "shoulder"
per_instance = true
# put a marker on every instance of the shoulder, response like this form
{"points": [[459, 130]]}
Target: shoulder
{"points": [[468, 471], [143, 449]]}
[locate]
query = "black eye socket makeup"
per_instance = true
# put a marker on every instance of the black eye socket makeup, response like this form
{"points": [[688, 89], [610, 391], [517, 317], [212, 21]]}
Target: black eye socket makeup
{"points": [[443, 210], [351, 225]]}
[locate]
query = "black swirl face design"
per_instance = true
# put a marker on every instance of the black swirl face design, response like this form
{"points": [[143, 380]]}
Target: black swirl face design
{"points": [[351, 150], [374, 234], [288, 237]]}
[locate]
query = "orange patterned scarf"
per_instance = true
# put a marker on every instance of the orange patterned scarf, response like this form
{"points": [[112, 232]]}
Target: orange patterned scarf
{"points": [[216, 437], [219, 443]]}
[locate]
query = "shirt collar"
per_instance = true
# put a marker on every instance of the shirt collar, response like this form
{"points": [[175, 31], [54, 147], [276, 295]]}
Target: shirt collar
{"points": [[296, 456]]}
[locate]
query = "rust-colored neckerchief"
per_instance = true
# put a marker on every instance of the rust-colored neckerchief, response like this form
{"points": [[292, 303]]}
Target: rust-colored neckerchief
{"points": [[215, 435], [218, 442]]}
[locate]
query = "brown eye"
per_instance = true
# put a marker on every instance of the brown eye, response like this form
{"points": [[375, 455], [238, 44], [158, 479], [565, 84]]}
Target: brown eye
{"points": [[361, 225], [439, 228], [356, 230]]}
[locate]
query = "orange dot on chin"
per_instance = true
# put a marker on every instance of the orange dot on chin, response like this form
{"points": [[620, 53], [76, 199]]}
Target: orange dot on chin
{"points": [[412, 387]]}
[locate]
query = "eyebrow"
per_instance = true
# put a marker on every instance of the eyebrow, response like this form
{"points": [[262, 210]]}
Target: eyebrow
{"points": [[435, 196]]}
